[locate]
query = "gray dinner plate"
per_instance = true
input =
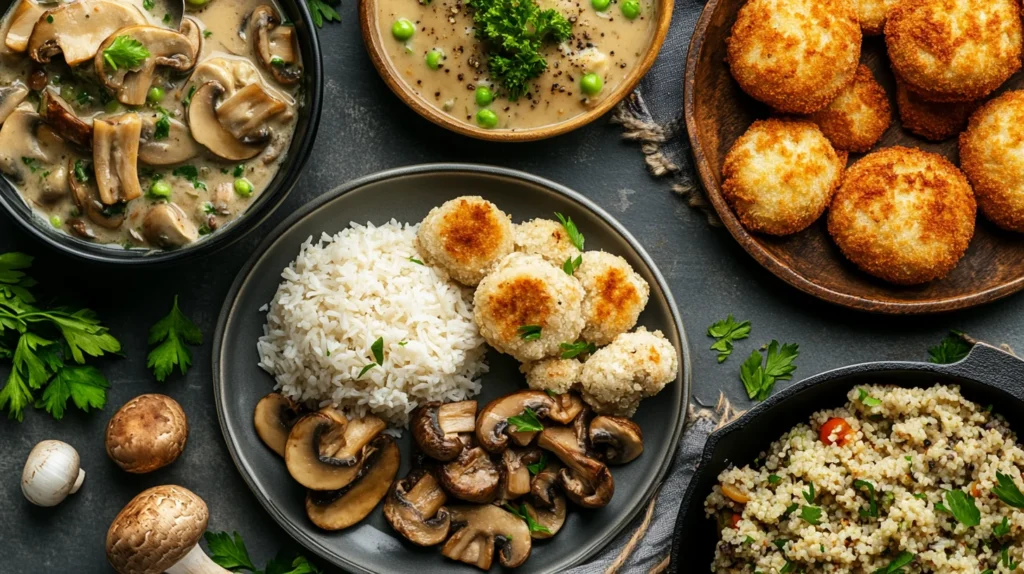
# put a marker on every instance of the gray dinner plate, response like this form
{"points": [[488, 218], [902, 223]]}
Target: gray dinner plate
{"points": [[407, 194]]}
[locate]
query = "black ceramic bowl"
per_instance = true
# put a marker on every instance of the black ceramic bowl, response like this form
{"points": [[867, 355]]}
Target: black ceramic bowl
{"points": [[986, 376], [282, 184]]}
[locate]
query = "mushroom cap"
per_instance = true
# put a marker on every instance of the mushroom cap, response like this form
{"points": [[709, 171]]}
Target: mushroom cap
{"points": [[166, 48], [436, 427], [156, 530], [167, 225], [274, 417], [207, 129], [339, 509], [620, 439], [492, 427], [325, 451], [415, 508], [472, 476], [482, 528], [77, 29], [147, 433]]}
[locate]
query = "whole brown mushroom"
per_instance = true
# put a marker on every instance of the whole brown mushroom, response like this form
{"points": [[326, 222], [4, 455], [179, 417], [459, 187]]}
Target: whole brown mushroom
{"points": [[147, 433]]}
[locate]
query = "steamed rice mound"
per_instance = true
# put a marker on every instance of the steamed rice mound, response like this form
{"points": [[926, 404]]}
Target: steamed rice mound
{"points": [[912, 448], [344, 292]]}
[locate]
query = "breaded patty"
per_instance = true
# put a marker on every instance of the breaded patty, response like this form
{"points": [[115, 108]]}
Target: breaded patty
{"points": [[555, 375], [859, 115], [547, 238], [992, 156], [466, 236], [904, 215], [872, 14], [615, 295], [934, 121], [954, 50], [780, 175], [527, 307], [794, 55], [634, 366]]}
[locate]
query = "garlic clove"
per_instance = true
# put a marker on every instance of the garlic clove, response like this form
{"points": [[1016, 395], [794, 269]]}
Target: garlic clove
{"points": [[51, 472]]}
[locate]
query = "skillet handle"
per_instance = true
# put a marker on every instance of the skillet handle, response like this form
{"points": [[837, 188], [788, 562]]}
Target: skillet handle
{"points": [[993, 366]]}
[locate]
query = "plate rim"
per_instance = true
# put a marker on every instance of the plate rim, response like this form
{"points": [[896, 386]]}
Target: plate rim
{"points": [[770, 262], [241, 278]]}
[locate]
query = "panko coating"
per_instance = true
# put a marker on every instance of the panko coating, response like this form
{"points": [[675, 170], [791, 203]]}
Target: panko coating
{"points": [[780, 175], [522, 293], [954, 50], [935, 121], [872, 14], [992, 156], [466, 236], [556, 375], [547, 238], [633, 367], [904, 215], [615, 296], [794, 55], [859, 115]]}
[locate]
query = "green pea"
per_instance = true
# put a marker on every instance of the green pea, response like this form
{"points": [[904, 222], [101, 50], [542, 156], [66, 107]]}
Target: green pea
{"points": [[600, 5], [243, 187], [112, 106], [155, 95], [434, 58], [160, 189], [402, 29], [591, 84], [487, 119], [197, 2], [55, 221], [631, 9], [484, 96]]}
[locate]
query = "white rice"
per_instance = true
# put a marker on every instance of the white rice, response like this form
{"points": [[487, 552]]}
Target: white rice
{"points": [[341, 294]]}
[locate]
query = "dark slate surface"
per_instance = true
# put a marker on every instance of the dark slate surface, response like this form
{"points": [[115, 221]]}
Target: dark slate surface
{"points": [[366, 129]]}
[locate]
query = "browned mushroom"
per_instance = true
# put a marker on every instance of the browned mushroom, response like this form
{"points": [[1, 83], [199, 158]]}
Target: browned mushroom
{"points": [[480, 529], [472, 476], [59, 115], [274, 418], [77, 29], [167, 226], [339, 509], [325, 451], [436, 427], [166, 48], [544, 486], [115, 155], [415, 508], [618, 439], [147, 433], [87, 198], [23, 19], [492, 426], [246, 112], [586, 481], [275, 45], [207, 129], [515, 474], [549, 519]]}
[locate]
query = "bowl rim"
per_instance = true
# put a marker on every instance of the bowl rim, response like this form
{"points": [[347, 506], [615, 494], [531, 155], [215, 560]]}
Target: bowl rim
{"points": [[381, 62], [749, 242], [685, 376], [15, 207]]}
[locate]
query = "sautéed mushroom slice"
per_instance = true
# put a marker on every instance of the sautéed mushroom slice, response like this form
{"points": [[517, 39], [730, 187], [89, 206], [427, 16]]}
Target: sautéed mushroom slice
{"points": [[77, 29], [275, 45], [165, 48]]}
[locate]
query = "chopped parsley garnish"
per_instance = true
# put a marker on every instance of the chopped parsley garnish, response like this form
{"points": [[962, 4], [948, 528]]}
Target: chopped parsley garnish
{"points": [[809, 494], [758, 379], [162, 127], [1003, 528], [1007, 491], [573, 350], [790, 510], [774, 479], [148, 4], [167, 19], [897, 564], [725, 333], [1004, 558], [811, 515], [539, 465], [364, 369], [950, 350], [416, 261], [173, 333], [323, 10], [872, 509], [529, 332], [787, 567], [209, 209], [571, 265], [377, 348], [780, 543], [83, 98], [920, 496], [867, 399], [125, 52], [527, 421], [961, 506], [207, 33], [190, 173], [188, 97], [82, 170], [32, 164], [530, 522], [575, 237], [239, 170]]}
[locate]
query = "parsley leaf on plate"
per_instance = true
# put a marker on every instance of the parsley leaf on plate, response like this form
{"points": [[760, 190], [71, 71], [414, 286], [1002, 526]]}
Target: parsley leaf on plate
{"points": [[571, 265], [950, 350], [125, 52], [172, 333], [228, 552], [573, 350], [872, 509], [529, 332], [867, 399], [162, 127], [530, 522], [1003, 528], [811, 515], [897, 564], [961, 506], [758, 379], [575, 237], [1007, 491], [527, 421], [539, 465], [323, 11], [726, 332]]}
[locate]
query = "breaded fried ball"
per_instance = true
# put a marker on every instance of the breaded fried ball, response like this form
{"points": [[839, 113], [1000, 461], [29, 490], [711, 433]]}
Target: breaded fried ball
{"points": [[872, 14], [859, 115], [555, 375], [780, 175], [904, 215], [992, 156], [466, 236], [527, 307], [614, 297], [547, 238], [633, 367], [954, 50], [935, 121], [794, 55]]}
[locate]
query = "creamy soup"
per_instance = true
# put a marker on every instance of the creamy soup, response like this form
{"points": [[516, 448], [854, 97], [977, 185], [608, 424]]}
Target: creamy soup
{"points": [[447, 65], [120, 130]]}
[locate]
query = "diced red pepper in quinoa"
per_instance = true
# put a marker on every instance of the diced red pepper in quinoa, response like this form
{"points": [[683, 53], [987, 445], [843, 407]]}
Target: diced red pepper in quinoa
{"points": [[835, 426]]}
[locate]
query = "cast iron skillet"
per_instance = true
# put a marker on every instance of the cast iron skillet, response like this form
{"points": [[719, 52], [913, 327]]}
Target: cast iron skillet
{"points": [[987, 376], [291, 169]]}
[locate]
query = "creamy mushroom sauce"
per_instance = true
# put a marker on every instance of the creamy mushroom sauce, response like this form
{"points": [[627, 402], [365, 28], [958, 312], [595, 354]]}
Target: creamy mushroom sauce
{"points": [[42, 164], [605, 43]]}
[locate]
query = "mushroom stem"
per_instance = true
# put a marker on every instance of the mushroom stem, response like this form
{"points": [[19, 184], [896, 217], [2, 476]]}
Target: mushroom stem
{"points": [[196, 562], [78, 482]]}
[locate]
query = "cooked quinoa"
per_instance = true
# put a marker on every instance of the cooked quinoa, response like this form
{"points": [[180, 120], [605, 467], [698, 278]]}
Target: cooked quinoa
{"points": [[912, 446]]}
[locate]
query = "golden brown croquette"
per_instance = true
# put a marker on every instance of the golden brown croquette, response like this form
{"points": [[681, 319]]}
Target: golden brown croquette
{"points": [[794, 55], [935, 121], [954, 50], [547, 238], [872, 14], [904, 215], [466, 236], [859, 115], [780, 175], [992, 156], [615, 296]]}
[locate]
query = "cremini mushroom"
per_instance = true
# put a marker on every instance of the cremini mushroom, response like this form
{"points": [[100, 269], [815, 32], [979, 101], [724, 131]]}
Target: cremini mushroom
{"points": [[77, 29], [479, 529], [59, 116], [159, 531], [335, 510], [166, 48], [550, 518], [167, 226], [52, 472], [436, 427], [472, 476], [23, 19], [415, 508], [586, 481], [115, 154], [618, 439], [275, 45], [492, 426], [147, 433], [274, 418], [10, 98], [246, 113], [177, 146], [326, 451], [87, 198], [208, 131], [515, 476], [544, 486], [191, 29], [567, 407]]}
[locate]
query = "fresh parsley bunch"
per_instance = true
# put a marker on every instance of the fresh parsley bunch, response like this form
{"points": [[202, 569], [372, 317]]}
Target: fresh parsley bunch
{"points": [[48, 348], [229, 552]]}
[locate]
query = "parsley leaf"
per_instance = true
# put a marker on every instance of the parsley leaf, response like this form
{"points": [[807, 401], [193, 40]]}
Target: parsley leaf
{"points": [[790, 510], [190, 173], [172, 332], [811, 515], [575, 237], [527, 421], [323, 10], [377, 348], [416, 261], [759, 380], [1003, 528], [571, 265], [162, 127], [84, 385], [726, 332], [1004, 557], [83, 171], [530, 522], [573, 350], [950, 350], [298, 565], [187, 100], [872, 510], [365, 369], [539, 465], [897, 564], [529, 332], [1007, 491], [961, 506], [867, 399], [227, 552], [809, 494], [126, 52], [774, 479]]}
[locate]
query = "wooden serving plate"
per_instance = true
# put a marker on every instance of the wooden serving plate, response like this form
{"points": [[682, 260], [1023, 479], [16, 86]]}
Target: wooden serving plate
{"points": [[718, 112]]}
